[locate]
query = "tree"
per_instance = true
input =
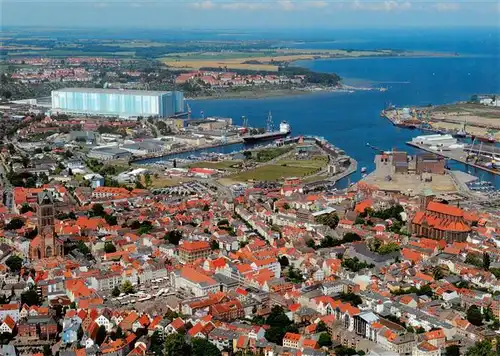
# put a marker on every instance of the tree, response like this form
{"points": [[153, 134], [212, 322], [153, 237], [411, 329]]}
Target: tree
{"points": [[474, 259], [175, 345], [101, 335], [474, 316], [283, 260], [30, 297], [173, 237], [82, 247], [481, 348], [214, 245], [145, 228], [147, 179], [279, 324], [331, 220], [127, 287], [453, 350], [25, 208], [14, 263], [97, 210], [111, 220], [119, 333], [344, 351], [437, 272], [486, 261], [359, 221], [47, 351], [351, 298], [109, 247], [488, 314], [116, 291], [14, 224], [321, 326], [294, 275], [203, 347], [157, 343], [325, 340], [351, 237], [247, 154], [310, 243]]}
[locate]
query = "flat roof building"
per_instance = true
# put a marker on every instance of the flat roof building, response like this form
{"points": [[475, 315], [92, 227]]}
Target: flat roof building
{"points": [[117, 102]]}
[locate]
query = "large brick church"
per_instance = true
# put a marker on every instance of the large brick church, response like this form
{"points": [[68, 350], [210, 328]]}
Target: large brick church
{"points": [[441, 222], [45, 244]]}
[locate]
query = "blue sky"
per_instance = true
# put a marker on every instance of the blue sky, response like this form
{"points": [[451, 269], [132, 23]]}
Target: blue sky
{"points": [[262, 14]]}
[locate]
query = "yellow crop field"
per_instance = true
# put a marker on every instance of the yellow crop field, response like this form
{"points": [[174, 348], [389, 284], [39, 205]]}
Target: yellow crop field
{"points": [[258, 61], [266, 62]]}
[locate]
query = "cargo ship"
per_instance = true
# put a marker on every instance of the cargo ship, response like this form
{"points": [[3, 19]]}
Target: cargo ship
{"points": [[270, 134]]}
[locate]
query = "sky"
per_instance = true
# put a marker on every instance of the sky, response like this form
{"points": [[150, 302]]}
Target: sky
{"points": [[250, 14]]}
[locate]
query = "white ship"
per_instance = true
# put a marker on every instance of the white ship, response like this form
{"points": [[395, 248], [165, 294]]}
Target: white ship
{"points": [[442, 141]]}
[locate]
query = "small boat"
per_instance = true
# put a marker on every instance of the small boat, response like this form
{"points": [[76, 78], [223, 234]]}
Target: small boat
{"points": [[363, 169], [460, 134]]}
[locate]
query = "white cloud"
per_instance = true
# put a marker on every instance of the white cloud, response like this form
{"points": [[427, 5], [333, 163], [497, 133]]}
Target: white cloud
{"points": [[244, 6], [450, 6], [204, 5], [387, 5], [286, 5], [317, 4]]}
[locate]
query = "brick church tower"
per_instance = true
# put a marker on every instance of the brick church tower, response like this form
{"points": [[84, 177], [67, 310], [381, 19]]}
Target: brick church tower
{"points": [[45, 244]]}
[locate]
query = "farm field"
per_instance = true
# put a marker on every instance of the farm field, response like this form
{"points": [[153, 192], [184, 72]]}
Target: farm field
{"points": [[266, 59]]}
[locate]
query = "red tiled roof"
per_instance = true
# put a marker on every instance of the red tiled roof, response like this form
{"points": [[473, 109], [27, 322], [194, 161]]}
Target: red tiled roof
{"points": [[445, 209]]}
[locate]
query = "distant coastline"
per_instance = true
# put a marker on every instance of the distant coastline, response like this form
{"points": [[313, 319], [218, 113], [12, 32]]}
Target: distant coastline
{"points": [[262, 93]]}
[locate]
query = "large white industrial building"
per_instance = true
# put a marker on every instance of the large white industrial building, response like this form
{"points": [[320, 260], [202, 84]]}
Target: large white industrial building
{"points": [[117, 102]]}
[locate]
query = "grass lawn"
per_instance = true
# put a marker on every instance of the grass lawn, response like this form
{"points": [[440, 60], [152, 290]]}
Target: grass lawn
{"points": [[285, 168], [164, 182], [306, 163], [225, 165]]}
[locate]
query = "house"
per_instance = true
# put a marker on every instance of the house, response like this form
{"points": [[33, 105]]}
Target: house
{"points": [[11, 310], [292, 340], [103, 321], [194, 282], [175, 326], [70, 329], [8, 325], [426, 349], [191, 251], [436, 338], [42, 327], [230, 310]]}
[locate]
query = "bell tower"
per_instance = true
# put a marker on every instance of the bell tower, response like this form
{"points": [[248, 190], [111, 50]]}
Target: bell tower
{"points": [[45, 244], [45, 211]]}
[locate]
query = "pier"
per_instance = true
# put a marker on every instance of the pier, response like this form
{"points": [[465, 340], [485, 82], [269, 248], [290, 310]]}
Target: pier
{"points": [[459, 155]]}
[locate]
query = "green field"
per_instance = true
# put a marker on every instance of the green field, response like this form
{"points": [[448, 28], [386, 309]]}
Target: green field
{"points": [[280, 170], [224, 165]]}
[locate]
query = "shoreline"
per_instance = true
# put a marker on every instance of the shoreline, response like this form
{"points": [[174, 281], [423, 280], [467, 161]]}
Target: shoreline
{"points": [[250, 95], [274, 93]]}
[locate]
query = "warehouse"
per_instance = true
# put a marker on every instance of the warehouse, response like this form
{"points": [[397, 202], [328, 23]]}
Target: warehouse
{"points": [[117, 103]]}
